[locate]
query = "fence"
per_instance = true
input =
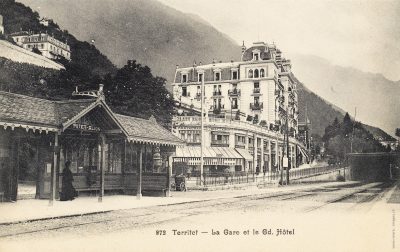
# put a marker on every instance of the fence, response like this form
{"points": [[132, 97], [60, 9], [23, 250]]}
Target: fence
{"points": [[227, 178]]}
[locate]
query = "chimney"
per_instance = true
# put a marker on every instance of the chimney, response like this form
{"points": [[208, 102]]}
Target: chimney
{"points": [[243, 47]]}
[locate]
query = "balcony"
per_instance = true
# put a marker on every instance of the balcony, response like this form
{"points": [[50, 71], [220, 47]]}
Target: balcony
{"points": [[256, 106], [217, 93], [240, 145], [256, 92], [251, 150], [219, 143], [198, 96], [234, 92]]}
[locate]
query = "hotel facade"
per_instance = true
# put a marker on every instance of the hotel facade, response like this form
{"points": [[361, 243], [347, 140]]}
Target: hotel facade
{"points": [[246, 106], [49, 46]]}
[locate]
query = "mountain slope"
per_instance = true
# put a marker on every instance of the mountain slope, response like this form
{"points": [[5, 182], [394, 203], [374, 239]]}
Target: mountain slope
{"points": [[377, 99], [161, 37], [144, 30]]}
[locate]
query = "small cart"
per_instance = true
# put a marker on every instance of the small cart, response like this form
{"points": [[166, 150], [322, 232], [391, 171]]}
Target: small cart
{"points": [[180, 183]]}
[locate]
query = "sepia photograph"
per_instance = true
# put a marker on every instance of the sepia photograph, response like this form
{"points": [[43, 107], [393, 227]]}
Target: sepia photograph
{"points": [[199, 125]]}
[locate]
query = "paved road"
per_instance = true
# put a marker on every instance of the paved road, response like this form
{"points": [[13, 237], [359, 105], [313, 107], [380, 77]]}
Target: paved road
{"points": [[266, 213]]}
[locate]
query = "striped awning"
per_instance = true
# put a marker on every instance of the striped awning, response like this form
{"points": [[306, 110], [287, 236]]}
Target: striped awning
{"points": [[245, 154], [211, 155], [305, 155]]}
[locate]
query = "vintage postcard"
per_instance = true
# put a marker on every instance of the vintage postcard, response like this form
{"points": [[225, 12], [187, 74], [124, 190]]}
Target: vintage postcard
{"points": [[199, 125]]}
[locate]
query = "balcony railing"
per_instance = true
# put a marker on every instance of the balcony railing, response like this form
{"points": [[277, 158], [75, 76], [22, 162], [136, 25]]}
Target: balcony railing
{"points": [[234, 92], [220, 143], [240, 145], [256, 106], [217, 93], [198, 96]]}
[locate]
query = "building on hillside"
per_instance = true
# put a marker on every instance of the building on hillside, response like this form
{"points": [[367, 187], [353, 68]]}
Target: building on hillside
{"points": [[45, 21], [1, 25], [107, 151], [49, 46], [247, 105]]}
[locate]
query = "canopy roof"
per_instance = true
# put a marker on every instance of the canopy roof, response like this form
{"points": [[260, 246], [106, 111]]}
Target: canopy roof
{"points": [[44, 115]]}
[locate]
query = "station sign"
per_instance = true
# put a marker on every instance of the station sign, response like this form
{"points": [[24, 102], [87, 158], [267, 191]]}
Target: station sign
{"points": [[85, 127]]}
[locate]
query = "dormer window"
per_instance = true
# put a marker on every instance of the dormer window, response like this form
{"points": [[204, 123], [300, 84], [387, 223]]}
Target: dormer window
{"points": [[256, 54], [184, 78], [201, 77]]}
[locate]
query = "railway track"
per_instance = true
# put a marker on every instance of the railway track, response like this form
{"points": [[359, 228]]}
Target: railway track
{"points": [[126, 219]]}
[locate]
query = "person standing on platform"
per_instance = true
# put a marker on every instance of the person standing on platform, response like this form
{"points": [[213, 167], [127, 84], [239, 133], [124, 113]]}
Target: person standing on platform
{"points": [[68, 191]]}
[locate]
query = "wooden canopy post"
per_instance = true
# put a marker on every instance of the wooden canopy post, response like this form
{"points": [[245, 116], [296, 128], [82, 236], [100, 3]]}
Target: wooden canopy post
{"points": [[54, 166], [102, 164], [139, 174], [169, 175]]}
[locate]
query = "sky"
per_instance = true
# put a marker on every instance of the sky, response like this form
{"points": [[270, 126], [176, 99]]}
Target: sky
{"points": [[363, 34]]}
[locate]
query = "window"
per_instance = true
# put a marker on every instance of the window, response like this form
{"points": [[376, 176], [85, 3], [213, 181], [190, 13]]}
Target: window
{"points": [[256, 84], [234, 103], [217, 76], [234, 75], [184, 78], [256, 75], [240, 141], [198, 91], [256, 55], [256, 100], [262, 73], [250, 74], [184, 91], [219, 139]]}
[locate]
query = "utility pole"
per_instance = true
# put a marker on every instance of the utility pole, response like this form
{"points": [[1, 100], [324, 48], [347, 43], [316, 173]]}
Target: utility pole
{"points": [[352, 132], [202, 131], [287, 146]]}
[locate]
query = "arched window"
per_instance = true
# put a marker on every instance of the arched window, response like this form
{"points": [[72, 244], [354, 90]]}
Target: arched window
{"points": [[262, 73], [250, 75], [256, 73]]}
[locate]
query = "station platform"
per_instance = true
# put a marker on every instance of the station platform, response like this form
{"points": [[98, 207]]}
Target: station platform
{"points": [[35, 209]]}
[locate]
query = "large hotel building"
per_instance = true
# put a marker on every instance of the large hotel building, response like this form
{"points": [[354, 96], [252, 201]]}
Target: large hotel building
{"points": [[246, 106]]}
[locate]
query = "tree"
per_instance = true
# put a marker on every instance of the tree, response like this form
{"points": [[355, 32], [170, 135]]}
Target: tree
{"points": [[398, 132], [134, 91]]}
